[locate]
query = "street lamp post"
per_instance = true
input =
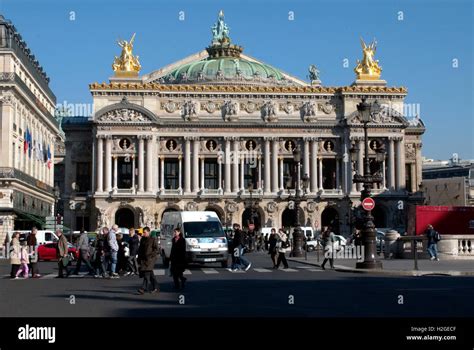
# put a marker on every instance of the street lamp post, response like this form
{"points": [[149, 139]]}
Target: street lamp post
{"points": [[298, 235], [57, 193], [368, 180]]}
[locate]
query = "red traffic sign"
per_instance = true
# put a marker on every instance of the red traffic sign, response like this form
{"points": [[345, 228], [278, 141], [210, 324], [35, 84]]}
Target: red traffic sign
{"points": [[368, 204]]}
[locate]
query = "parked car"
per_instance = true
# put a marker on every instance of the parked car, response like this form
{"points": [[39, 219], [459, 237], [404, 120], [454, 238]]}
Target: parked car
{"points": [[339, 243], [48, 251]]}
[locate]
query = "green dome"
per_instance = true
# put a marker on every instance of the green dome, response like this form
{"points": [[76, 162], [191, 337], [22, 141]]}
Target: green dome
{"points": [[224, 69]]}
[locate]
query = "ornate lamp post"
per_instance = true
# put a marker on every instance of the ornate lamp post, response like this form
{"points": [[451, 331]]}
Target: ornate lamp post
{"points": [[57, 194], [368, 228], [298, 235]]}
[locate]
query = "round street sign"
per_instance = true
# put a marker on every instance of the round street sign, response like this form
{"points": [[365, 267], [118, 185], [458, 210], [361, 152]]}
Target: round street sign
{"points": [[368, 204]]}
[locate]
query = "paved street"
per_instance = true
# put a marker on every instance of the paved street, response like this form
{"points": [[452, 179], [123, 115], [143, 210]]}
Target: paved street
{"points": [[261, 291]]}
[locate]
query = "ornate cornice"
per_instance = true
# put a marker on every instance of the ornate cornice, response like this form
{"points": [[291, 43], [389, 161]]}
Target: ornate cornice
{"points": [[245, 89]]}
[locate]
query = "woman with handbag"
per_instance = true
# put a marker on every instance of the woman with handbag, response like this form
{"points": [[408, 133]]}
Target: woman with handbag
{"points": [[15, 254], [328, 244], [178, 259], [272, 247], [283, 244]]}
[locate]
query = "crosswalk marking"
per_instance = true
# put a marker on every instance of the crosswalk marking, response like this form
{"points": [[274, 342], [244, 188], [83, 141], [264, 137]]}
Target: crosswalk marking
{"points": [[159, 272], [289, 270], [51, 275], [262, 270], [210, 271], [303, 267], [187, 272], [314, 270]]}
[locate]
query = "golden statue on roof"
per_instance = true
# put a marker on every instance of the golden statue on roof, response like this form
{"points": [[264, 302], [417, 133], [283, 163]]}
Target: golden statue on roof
{"points": [[127, 64], [368, 68]]}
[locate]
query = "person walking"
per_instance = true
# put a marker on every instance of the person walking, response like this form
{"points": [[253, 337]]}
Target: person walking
{"points": [[113, 250], [283, 244], [24, 261], [84, 254], [133, 243], [33, 249], [272, 247], [178, 259], [15, 252], [433, 239], [99, 254], [328, 244], [62, 252], [147, 255], [239, 250]]}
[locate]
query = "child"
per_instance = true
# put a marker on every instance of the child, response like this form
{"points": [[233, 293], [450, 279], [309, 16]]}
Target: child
{"points": [[24, 261]]}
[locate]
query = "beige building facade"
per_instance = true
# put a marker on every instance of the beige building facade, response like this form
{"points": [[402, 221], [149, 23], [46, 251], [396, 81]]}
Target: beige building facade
{"points": [[28, 133], [217, 131]]}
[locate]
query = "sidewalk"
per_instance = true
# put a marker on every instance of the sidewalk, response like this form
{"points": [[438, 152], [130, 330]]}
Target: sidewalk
{"points": [[398, 267]]}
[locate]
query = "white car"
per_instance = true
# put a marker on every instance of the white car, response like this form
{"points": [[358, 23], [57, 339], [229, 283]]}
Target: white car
{"points": [[339, 243]]}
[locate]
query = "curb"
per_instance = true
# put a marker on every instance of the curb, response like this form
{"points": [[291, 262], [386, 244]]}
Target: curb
{"points": [[415, 273]]}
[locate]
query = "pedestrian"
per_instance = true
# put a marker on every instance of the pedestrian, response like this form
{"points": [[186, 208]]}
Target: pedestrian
{"points": [[133, 243], [328, 244], [433, 239], [272, 247], [282, 244], [15, 251], [24, 260], [113, 250], [239, 250], [147, 255], [121, 258], [84, 254], [100, 254], [33, 248], [178, 259], [62, 254]]}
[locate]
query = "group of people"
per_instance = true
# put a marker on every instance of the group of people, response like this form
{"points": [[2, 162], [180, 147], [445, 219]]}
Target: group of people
{"points": [[23, 260]]}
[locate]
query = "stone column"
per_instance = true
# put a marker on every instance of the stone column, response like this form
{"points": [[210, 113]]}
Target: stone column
{"points": [[338, 180], [227, 160], [196, 147], [162, 173], [141, 163], [400, 165], [314, 165], [320, 174], [219, 176], [202, 173], [274, 167], [282, 178], [108, 164], [260, 172], [413, 177], [115, 186], [187, 165], [384, 181], [306, 169], [267, 166], [100, 163], [419, 164], [391, 165], [235, 167], [149, 164], [360, 162]]}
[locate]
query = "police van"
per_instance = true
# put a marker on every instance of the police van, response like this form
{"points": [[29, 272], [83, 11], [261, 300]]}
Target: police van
{"points": [[206, 241]]}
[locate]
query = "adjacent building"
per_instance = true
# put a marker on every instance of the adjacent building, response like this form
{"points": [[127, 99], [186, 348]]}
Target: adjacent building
{"points": [[217, 131], [28, 133]]}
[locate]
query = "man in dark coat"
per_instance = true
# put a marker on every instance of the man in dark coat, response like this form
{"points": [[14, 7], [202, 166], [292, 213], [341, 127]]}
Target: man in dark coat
{"points": [[62, 252], [133, 243], [178, 259], [147, 255], [33, 248], [433, 238]]}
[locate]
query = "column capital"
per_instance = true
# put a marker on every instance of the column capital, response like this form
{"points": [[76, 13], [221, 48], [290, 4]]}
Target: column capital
{"points": [[149, 137], [141, 137], [229, 138], [100, 136], [109, 137]]}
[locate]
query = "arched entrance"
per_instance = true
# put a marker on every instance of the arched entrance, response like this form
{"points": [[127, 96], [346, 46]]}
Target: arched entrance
{"points": [[380, 217], [249, 217], [218, 211], [330, 217], [288, 218], [125, 217]]}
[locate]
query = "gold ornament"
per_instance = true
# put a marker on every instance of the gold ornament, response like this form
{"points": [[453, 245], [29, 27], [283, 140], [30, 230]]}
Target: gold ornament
{"points": [[127, 65], [368, 68]]}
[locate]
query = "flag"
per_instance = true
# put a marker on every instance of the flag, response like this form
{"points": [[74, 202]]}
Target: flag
{"points": [[50, 163], [25, 141], [30, 145]]}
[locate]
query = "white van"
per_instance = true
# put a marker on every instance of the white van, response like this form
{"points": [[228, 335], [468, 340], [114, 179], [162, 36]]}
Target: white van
{"points": [[206, 241], [42, 236]]}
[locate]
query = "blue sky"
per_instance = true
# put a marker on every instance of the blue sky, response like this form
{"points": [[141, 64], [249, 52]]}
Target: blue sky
{"points": [[416, 52]]}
